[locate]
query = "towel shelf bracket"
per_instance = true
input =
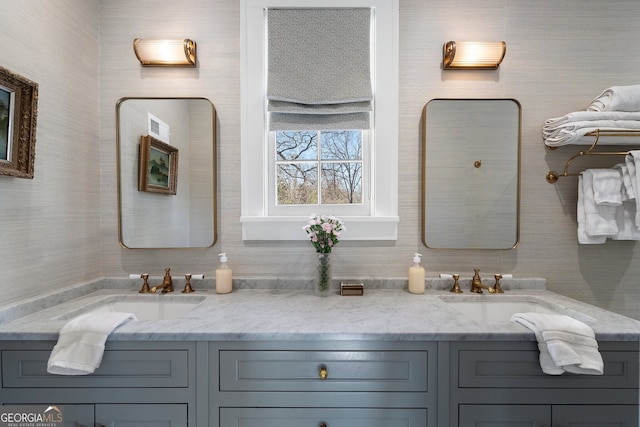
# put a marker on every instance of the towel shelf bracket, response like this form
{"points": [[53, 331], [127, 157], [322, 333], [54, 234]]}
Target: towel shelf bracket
{"points": [[553, 176]]}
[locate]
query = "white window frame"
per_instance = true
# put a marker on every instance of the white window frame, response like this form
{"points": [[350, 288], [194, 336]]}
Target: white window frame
{"points": [[382, 221]]}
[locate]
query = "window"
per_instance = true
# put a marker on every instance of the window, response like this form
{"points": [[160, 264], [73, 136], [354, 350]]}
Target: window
{"points": [[290, 172], [318, 170]]}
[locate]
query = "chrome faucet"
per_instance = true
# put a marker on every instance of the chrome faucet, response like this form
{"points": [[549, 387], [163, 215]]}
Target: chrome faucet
{"points": [[477, 286]]}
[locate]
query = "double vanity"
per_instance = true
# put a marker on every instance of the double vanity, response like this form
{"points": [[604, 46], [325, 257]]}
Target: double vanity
{"points": [[268, 357]]}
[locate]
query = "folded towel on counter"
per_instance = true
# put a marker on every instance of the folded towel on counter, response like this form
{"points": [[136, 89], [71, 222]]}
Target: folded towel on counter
{"points": [[607, 187], [566, 344], [617, 98], [583, 237], [80, 345], [599, 220]]}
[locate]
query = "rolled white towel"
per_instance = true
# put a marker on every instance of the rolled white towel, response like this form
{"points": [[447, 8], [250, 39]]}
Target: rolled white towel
{"points": [[617, 98], [582, 116], [552, 131]]}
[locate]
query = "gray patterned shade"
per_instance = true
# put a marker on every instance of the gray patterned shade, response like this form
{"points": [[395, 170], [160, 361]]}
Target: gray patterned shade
{"points": [[319, 74]]}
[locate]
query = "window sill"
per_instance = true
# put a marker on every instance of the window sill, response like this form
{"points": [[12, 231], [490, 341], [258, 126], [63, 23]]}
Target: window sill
{"points": [[290, 228]]}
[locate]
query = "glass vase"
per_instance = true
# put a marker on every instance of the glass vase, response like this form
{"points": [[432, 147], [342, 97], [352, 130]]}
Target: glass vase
{"points": [[322, 284]]}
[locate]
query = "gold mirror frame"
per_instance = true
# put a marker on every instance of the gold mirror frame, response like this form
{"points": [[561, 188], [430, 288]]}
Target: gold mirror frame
{"points": [[20, 126], [130, 139], [471, 173]]}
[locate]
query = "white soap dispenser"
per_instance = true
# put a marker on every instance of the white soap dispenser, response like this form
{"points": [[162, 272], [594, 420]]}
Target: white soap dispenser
{"points": [[416, 276], [223, 276]]}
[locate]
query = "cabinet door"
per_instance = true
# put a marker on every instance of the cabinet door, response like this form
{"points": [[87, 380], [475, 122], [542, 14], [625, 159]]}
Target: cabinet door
{"points": [[330, 417], [78, 415], [141, 415], [595, 415], [505, 415]]}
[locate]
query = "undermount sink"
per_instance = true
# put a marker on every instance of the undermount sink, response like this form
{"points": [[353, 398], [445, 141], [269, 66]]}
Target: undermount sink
{"points": [[148, 307], [497, 308]]}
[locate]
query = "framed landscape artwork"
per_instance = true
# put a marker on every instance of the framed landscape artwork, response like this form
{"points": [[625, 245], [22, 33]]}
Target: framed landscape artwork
{"points": [[158, 166]]}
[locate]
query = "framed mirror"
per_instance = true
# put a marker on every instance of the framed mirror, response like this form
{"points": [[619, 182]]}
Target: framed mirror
{"points": [[471, 173], [166, 156]]}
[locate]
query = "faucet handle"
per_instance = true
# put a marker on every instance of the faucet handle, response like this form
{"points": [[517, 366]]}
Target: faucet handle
{"points": [[497, 287], [187, 286], [456, 286], [145, 285]]}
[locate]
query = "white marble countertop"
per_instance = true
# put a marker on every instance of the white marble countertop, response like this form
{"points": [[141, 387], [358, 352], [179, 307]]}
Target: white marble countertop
{"points": [[285, 314]]}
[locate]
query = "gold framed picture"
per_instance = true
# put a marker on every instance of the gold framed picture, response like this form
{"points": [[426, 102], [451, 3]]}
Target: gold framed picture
{"points": [[18, 113], [158, 166]]}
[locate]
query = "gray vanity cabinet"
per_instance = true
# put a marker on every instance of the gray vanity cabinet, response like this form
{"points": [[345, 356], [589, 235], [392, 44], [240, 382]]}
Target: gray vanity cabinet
{"points": [[146, 383], [346, 383], [502, 382]]}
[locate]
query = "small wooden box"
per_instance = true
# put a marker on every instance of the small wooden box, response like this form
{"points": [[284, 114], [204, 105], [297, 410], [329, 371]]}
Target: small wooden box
{"points": [[351, 289]]}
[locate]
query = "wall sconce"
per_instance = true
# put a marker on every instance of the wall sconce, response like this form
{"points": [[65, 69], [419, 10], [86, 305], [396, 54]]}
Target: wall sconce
{"points": [[165, 53], [473, 55]]}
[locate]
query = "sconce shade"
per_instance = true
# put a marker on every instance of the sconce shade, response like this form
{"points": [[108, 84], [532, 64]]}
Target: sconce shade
{"points": [[165, 53], [473, 55]]}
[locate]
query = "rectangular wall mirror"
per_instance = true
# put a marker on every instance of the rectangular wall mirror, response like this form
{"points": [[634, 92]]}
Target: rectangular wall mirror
{"points": [[471, 173], [178, 208]]}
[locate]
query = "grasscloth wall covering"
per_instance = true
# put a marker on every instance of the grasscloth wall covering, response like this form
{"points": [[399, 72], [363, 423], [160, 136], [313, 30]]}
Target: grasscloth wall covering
{"points": [[50, 226], [61, 228]]}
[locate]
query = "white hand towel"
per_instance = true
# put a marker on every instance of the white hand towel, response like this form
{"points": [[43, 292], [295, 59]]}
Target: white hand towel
{"points": [[565, 343], [617, 98], [577, 354], [607, 187], [627, 187], [599, 220], [633, 158], [583, 237], [80, 345], [626, 219]]}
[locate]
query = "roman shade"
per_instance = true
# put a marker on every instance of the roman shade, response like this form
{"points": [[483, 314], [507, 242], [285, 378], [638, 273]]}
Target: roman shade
{"points": [[319, 71]]}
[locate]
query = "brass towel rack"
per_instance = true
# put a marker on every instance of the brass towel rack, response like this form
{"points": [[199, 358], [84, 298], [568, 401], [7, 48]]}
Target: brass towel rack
{"points": [[553, 177]]}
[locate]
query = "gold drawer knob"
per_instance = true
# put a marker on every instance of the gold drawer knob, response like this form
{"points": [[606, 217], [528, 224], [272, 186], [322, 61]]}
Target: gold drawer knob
{"points": [[323, 374]]}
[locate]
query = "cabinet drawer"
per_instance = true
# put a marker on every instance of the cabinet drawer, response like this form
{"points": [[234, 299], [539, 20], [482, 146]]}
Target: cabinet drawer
{"points": [[119, 368], [345, 370], [331, 417], [521, 368]]}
